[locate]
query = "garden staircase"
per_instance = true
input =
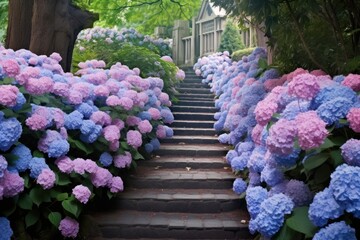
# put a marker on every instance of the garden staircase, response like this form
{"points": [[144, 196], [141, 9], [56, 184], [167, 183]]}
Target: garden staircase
{"points": [[185, 191]]}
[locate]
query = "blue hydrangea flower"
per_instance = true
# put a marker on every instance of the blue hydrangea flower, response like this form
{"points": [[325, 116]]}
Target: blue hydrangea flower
{"points": [[58, 148], [93, 135], [223, 138], [144, 116], [149, 148], [36, 166], [254, 197], [257, 159], [106, 159], [299, 193], [20, 101], [286, 160], [87, 127], [244, 147], [294, 108], [10, 132], [240, 163], [324, 207], [155, 143], [73, 120], [24, 157], [85, 109], [336, 231], [331, 92], [350, 151], [331, 111], [345, 185], [169, 132], [5, 229], [3, 165], [239, 186], [272, 214], [271, 175], [339, 78], [230, 155]]}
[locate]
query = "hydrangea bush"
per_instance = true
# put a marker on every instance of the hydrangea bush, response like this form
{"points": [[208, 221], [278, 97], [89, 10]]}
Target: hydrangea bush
{"points": [[296, 145], [151, 56], [66, 138]]}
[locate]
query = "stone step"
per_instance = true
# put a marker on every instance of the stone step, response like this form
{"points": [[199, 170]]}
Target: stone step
{"points": [[205, 103], [195, 124], [192, 150], [149, 177], [194, 85], [179, 200], [194, 131], [186, 162], [189, 98], [193, 116], [135, 224], [195, 96], [192, 80], [195, 109], [186, 139], [193, 90]]}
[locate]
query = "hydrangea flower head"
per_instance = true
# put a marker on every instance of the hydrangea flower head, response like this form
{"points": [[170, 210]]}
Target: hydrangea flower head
{"points": [[350, 151], [254, 197], [106, 159], [12, 184], [5, 228], [36, 166], [122, 161], [281, 137], [353, 117], [46, 179], [69, 227], [299, 192], [10, 132], [239, 186], [324, 207], [352, 81], [304, 86], [81, 193], [271, 175], [331, 111], [101, 177], [134, 138], [116, 185], [336, 231]]}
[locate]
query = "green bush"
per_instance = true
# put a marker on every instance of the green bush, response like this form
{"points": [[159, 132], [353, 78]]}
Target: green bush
{"points": [[237, 55], [230, 39]]}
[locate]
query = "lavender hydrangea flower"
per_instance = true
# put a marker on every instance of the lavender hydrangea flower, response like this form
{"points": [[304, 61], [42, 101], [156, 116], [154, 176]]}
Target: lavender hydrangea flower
{"points": [[81, 193], [69, 227], [46, 179], [299, 193], [350, 151]]}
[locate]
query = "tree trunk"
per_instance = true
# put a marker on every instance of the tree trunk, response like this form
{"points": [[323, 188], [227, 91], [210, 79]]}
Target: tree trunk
{"points": [[54, 27]]}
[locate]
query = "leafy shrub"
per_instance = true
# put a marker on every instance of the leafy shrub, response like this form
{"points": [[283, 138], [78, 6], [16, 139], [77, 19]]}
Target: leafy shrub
{"points": [[66, 140], [230, 39], [237, 55], [296, 143]]}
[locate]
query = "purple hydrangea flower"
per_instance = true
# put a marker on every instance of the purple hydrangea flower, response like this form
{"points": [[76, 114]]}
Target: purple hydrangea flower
{"points": [[350, 151], [81, 193], [69, 227]]}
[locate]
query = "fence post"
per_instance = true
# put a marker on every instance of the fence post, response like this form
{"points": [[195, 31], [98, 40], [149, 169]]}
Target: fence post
{"points": [[181, 29]]}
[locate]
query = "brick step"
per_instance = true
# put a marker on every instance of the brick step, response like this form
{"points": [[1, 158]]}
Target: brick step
{"points": [[193, 116], [193, 90], [186, 139], [193, 150], [186, 162], [194, 131], [135, 224], [204, 103], [195, 124], [149, 177], [195, 109], [207, 96], [179, 200]]}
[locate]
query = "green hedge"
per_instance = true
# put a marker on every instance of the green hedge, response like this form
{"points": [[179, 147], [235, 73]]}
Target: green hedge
{"points": [[237, 55]]}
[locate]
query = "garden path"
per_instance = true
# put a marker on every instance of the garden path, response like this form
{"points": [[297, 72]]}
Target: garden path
{"points": [[185, 192]]}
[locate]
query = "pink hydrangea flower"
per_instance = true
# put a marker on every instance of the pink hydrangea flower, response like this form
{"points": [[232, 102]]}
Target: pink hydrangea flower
{"points": [[65, 164], [134, 138], [281, 137], [46, 179], [126, 103], [354, 119], [101, 118], [75, 97], [36, 122], [256, 134], [318, 72], [352, 81], [132, 121], [145, 126], [39, 86], [101, 177], [69, 227], [79, 166], [102, 91], [114, 146], [116, 185], [26, 73], [90, 166], [311, 130], [293, 74], [12, 184], [113, 101], [180, 75], [265, 109], [81, 193], [83, 87], [161, 132], [167, 59], [304, 86], [10, 67], [198, 72], [119, 123], [61, 89], [111, 133], [122, 161], [155, 113], [164, 98], [8, 95]]}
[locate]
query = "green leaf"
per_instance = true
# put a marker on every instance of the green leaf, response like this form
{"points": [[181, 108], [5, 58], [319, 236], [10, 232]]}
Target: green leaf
{"points": [[62, 196], [80, 145], [38, 154], [262, 63], [315, 161], [322, 174], [138, 156], [343, 121], [62, 179], [55, 218], [25, 202], [327, 144], [31, 218], [8, 112], [38, 195], [300, 222], [72, 207], [336, 157], [124, 145], [286, 233]]}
